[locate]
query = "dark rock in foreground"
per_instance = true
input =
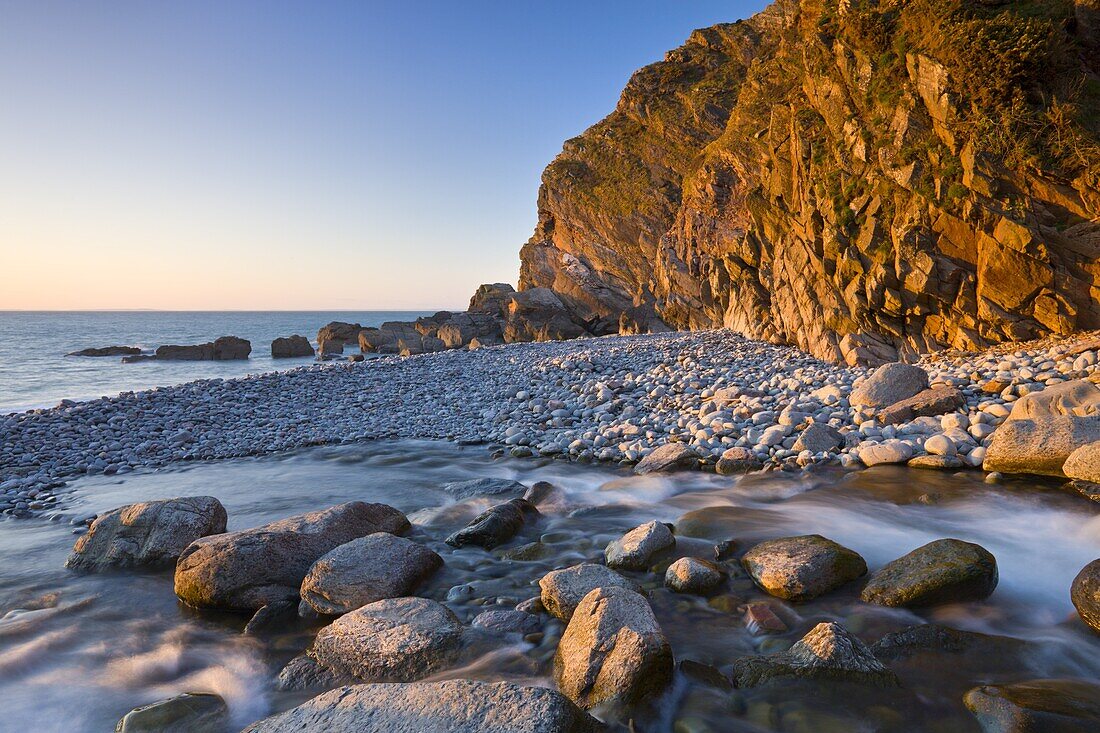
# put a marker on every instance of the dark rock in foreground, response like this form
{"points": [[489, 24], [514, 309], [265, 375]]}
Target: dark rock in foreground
{"points": [[151, 534], [827, 652], [943, 571], [495, 525], [453, 706], [254, 567], [191, 712], [1037, 706]]}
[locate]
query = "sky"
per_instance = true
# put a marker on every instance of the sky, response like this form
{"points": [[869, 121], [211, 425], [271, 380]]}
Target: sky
{"points": [[296, 155]]}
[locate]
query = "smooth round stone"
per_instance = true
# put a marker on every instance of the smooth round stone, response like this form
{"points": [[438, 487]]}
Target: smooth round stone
{"points": [[802, 568], [1085, 594], [693, 575], [943, 571]]}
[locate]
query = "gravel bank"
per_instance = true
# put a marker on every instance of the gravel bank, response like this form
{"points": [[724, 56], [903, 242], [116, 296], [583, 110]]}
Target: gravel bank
{"points": [[608, 399]]}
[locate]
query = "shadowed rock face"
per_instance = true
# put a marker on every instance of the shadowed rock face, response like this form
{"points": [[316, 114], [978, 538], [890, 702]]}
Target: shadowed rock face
{"points": [[791, 177]]}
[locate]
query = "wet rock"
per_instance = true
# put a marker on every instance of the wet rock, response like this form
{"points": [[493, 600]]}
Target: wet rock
{"points": [[562, 590], [251, 568], [150, 534], [943, 571], [1087, 489], [291, 347], [191, 712], [635, 549], [1084, 463], [819, 438], [1037, 706], [802, 568], [943, 463], [613, 651], [107, 351], [668, 457], [272, 618], [737, 460], [692, 575], [704, 673], [452, 706], [1085, 594], [507, 622], [494, 526], [923, 638], [888, 385], [368, 569], [761, 619], [225, 348], [484, 487], [827, 652], [935, 401], [394, 640]]}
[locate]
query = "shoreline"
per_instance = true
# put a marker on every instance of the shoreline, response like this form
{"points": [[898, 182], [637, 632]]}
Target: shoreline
{"points": [[610, 399]]}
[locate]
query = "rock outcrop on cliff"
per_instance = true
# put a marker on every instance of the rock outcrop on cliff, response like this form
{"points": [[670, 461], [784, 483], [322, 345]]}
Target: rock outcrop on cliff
{"points": [[859, 178]]}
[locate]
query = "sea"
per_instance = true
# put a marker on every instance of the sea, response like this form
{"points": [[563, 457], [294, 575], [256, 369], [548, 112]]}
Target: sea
{"points": [[35, 371]]}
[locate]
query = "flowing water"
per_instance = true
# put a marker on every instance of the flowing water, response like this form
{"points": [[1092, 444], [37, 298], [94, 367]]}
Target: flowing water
{"points": [[34, 371], [77, 651]]}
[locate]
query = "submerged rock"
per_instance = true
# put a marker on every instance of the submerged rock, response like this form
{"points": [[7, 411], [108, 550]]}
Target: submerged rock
{"points": [[151, 533], [495, 525], [1037, 706], [827, 652], [452, 706], [666, 458], [251, 568], [507, 622], [562, 590], [1085, 594], [484, 487], [692, 575], [802, 568], [368, 569], [394, 640], [272, 618], [191, 712], [635, 549], [943, 571], [613, 651]]}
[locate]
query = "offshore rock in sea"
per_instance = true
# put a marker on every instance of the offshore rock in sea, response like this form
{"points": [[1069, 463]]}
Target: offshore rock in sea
{"points": [[802, 568], [827, 652], [368, 569], [451, 706], [254, 567], [107, 351], [332, 337], [151, 533], [224, 348], [495, 525], [943, 571], [290, 347]]}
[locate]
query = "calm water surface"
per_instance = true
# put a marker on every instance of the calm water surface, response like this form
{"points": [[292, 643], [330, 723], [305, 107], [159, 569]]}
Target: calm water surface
{"points": [[34, 371], [78, 651]]}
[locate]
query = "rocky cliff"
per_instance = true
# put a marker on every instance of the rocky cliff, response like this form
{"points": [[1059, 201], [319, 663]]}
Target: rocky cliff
{"points": [[860, 178]]}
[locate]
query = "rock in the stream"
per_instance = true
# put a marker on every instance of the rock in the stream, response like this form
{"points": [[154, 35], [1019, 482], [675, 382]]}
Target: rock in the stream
{"points": [[251, 568], [613, 651], [1085, 594], [484, 487], [395, 640], [943, 463], [737, 460], [272, 618], [943, 571], [507, 622], [451, 706], [1084, 463], [191, 712], [890, 384], [151, 534], [636, 548], [368, 569], [692, 575], [666, 458], [107, 351], [290, 347], [827, 652], [819, 438], [562, 590], [802, 568], [495, 525], [1037, 706]]}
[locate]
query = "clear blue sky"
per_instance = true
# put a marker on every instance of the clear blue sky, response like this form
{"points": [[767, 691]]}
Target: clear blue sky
{"points": [[296, 154]]}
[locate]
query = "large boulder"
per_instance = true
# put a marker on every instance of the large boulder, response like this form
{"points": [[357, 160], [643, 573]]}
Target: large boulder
{"points": [[151, 533], [393, 640], [291, 347], [562, 590], [1039, 445], [254, 567], [1085, 594], [613, 651], [332, 337], [191, 712], [889, 384], [491, 298], [451, 706], [827, 652], [666, 458], [635, 549], [495, 525], [538, 314], [943, 571], [1037, 706], [802, 568], [368, 569], [1079, 397], [1084, 463]]}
